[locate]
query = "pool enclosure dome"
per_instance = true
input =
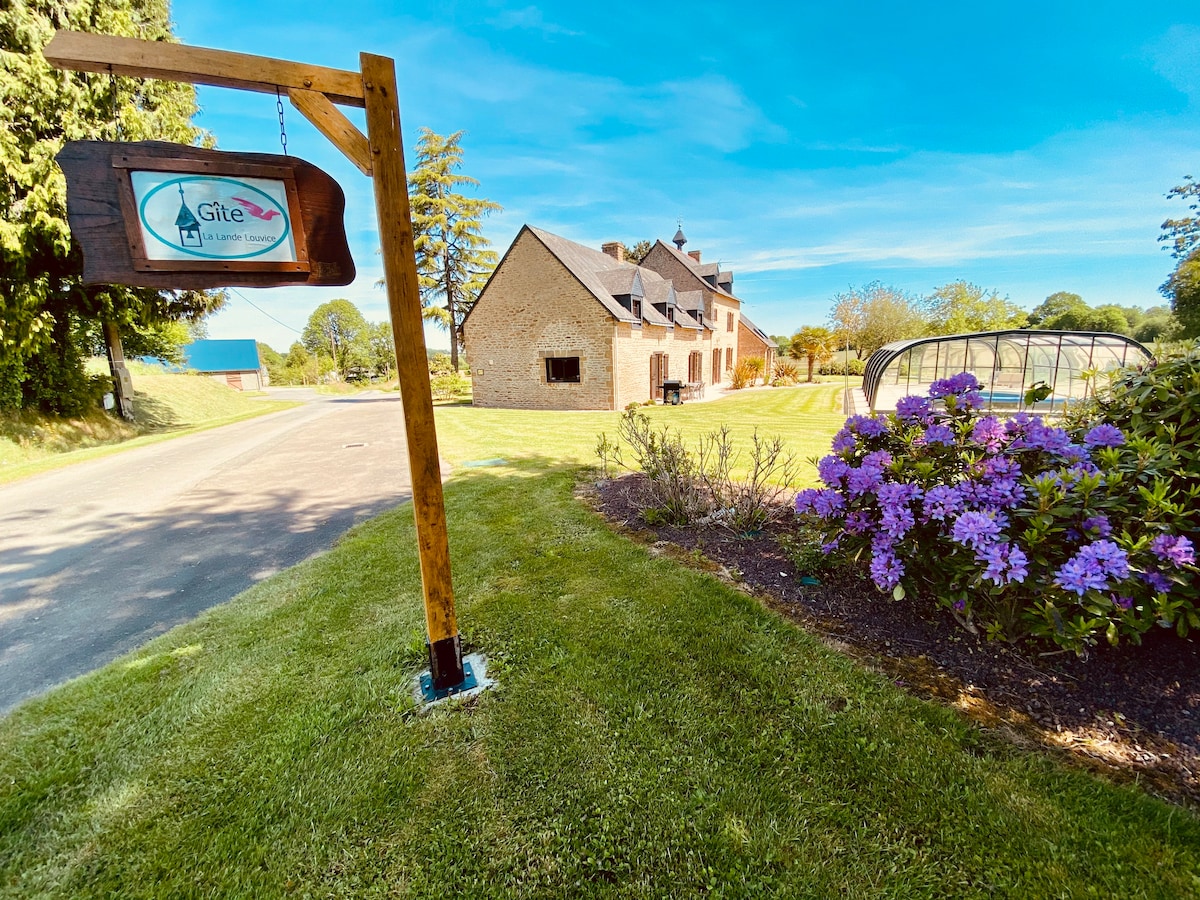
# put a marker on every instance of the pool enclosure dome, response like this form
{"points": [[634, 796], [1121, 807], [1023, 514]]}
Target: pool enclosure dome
{"points": [[1007, 364]]}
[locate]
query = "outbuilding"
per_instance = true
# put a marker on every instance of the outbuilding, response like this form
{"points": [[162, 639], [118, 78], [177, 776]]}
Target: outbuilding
{"points": [[231, 362]]}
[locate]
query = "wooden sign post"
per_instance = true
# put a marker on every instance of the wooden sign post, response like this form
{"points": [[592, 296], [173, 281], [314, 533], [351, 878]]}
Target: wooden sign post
{"points": [[380, 154]]}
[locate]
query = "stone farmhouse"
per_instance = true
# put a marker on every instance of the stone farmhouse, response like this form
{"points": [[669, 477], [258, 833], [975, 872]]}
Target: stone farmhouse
{"points": [[563, 326]]}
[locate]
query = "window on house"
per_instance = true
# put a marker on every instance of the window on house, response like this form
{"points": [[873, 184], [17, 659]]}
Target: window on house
{"points": [[729, 321], [637, 309], [695, 364], [716, 372], [729, 357], [562, 369], [670, 314]]}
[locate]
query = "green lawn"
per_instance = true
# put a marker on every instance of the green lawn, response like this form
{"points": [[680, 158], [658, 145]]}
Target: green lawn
{"points": [[806, 417], [656, 734]]}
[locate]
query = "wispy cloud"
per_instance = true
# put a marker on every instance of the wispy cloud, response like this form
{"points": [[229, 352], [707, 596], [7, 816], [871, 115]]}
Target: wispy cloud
{"points": [[1176, 57], [530, 18]]}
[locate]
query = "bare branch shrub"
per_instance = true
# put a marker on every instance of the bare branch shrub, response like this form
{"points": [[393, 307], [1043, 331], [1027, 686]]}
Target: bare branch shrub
{"points": [[746, 505], [675, 492], [683, 488]]}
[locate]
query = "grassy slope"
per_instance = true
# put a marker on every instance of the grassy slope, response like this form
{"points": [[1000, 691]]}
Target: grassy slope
{"points": [[165, 406], [655, 734]]}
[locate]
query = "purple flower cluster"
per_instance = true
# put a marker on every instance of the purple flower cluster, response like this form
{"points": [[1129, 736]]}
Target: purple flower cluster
{"points": [[1003, 563], [1174, 549], [962, 383], [1092, 566], [913, 409], [973, 529], [989, 433], [832, 470], [886, 568], [938, 433], [941, 502], [1104, 435]]}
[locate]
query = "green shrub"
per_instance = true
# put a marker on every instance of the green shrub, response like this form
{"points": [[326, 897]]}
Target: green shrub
{"points": [[451, 386], [745, 373], [850, 367], [787, 372], [439, 364]]}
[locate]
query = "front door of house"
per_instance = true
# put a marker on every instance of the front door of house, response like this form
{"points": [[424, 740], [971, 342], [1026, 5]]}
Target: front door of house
{"points": [[656, 376]]}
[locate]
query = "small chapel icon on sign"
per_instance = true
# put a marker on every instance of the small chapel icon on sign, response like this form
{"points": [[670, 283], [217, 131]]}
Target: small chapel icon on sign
{"points": [[188, 224]]}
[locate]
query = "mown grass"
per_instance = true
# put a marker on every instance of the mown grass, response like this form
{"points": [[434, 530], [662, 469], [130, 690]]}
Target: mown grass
{"points": [[655, 734], [165, 406], [806, 417]]}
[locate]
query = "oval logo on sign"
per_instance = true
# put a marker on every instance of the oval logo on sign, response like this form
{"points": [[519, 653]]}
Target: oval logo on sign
{"points": [[210, 217]]}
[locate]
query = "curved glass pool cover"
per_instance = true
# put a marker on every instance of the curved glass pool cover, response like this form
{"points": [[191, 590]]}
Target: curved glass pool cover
{"points": [[1007, 364]]}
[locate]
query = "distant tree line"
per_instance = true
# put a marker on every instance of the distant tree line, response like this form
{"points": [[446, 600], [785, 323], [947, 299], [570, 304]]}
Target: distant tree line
{"points": [[337, 344], [863, 319]]}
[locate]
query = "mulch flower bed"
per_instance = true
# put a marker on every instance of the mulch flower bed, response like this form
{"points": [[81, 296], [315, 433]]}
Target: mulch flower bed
{"points": [[1131, 712]]}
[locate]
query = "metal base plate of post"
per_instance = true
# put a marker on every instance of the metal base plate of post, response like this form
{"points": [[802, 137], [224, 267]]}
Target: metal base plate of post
{"points": [[475, 682]]}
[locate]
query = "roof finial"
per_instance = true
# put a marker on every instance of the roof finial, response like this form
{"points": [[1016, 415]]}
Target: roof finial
{"points": [[679, 240]]}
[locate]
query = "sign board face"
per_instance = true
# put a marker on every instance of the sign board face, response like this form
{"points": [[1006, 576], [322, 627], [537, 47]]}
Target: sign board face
{"points": [[163, 215], [184, 216]]}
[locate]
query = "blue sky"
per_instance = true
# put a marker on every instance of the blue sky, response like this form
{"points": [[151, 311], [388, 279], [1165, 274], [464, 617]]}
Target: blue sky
{"points": [[1025, 147]]}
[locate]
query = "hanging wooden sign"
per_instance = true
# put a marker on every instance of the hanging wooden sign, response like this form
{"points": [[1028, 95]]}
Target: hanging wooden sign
{"points": [[153, 214]]}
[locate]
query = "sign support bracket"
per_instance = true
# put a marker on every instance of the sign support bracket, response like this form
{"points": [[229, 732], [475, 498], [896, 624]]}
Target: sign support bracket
{"points": [[314, 90]]}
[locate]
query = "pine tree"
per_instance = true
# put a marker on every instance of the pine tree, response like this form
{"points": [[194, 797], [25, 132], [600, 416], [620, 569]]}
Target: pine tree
{"points": [[453, 261], [46, 313]]}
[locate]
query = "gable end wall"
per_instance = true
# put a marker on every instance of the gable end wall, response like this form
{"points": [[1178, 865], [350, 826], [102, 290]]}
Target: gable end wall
{"points": [[533, 308]]}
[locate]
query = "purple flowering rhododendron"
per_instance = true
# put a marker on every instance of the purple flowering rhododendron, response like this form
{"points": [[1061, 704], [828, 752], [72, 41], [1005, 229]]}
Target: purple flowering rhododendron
{"points": [[913, 409], [972, 529], [1174, 549], [1104, 435], [1015, 513]]}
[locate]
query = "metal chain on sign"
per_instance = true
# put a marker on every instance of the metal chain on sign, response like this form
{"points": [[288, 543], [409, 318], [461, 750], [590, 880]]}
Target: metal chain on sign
{"points": [[115, 108], [282, 130]]}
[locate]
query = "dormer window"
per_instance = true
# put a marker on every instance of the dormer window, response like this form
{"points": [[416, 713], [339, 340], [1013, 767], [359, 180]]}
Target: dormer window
{"points": [[631, 303], [698, 315]]}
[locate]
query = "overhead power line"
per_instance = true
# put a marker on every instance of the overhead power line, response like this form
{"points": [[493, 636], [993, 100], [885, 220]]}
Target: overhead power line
{"points": [[263, 311]]}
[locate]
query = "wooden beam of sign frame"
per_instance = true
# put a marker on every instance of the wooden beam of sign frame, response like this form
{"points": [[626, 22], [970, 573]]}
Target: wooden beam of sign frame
{"points": [[332, 122], [86, 52], [375, 90]]}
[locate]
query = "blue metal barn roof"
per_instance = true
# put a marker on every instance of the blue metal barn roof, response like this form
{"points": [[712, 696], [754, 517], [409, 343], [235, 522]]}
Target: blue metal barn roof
{"points": [[222, 356]]}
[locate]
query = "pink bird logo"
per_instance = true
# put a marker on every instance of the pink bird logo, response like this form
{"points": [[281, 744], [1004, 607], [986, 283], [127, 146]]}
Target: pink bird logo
{"points": [[255, 210]]}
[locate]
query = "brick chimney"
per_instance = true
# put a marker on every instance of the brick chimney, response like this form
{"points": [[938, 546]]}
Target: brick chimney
{"points": [[694, 254], [615, 249]]}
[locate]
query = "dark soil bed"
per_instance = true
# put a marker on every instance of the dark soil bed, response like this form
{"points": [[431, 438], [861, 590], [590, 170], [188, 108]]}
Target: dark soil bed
{"points": [[1132, 712]]}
